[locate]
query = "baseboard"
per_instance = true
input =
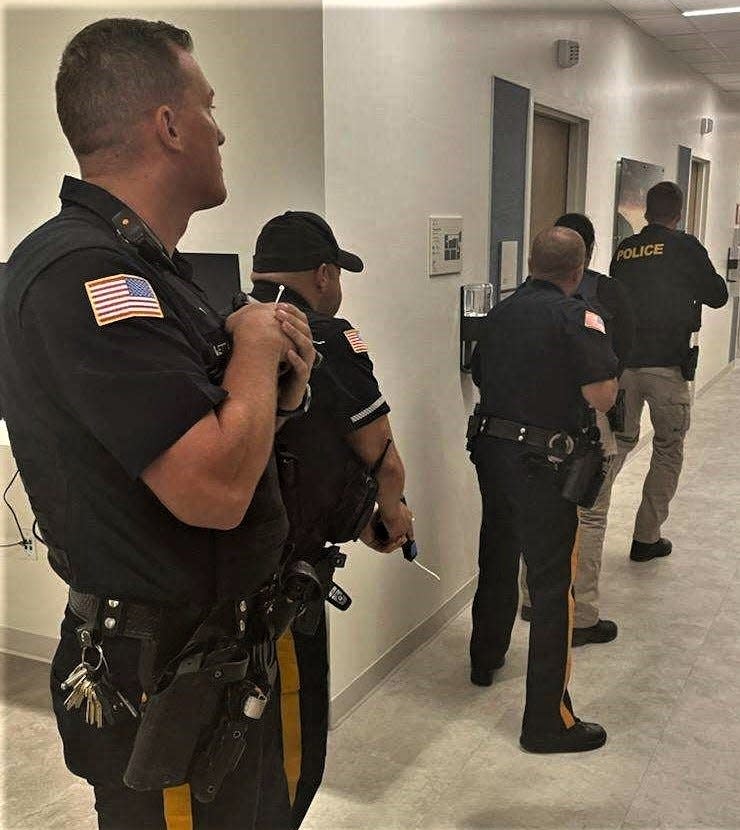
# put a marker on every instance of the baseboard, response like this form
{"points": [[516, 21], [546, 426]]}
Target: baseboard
{"points": [[711, 382], [25, 644], [344, 703]]}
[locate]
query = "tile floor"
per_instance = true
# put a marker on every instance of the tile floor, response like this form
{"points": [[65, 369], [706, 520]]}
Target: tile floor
{"points": [[428, 750]]}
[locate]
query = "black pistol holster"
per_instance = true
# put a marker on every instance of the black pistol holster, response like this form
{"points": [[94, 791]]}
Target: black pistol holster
{"points": [[616, 414], [585, 471], [689, 363], [196, 722], [475, 422]]}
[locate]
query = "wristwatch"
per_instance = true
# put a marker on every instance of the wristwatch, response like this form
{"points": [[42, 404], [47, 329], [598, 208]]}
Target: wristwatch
{"points": [[302, 407]]}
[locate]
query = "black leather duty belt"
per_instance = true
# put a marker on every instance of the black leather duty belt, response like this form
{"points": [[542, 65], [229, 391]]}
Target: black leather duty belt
{"points": [[117, 618], [558, 445]]}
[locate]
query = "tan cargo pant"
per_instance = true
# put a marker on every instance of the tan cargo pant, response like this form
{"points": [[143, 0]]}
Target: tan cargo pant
{"points": [[590, 540], [668, 397]]}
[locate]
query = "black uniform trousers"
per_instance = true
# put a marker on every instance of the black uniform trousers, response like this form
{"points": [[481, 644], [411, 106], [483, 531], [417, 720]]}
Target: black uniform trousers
{"points": [[245, 801], [304, 715], [523, 512]]}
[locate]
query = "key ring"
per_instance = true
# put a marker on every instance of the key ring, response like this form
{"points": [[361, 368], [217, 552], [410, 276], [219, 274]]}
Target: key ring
{"points": [[101, 658]]}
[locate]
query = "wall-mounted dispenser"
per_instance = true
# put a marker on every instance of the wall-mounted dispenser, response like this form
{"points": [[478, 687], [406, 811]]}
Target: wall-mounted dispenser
{"points": [[476, 301]]}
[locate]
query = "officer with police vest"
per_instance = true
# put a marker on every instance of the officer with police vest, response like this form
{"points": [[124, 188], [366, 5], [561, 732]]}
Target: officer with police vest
{"points": [[143, 427], [543, 359], [609, 298], [668, 276], [346, 431]]}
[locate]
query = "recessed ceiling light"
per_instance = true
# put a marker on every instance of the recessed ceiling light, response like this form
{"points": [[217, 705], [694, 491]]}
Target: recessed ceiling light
{"points": [[702, 12]]}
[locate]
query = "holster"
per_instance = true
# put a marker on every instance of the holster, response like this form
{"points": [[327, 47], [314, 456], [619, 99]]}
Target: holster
{"points": [[178, 714], [616, 414], [474, 425], [689, 363], [210, 683], [585, 475], [586, 471]]}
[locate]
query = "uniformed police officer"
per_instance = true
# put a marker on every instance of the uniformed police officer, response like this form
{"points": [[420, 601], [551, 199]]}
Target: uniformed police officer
{"points": [[542, 360], [668, 276], [348, 421], [144, 440], [609, 299]]}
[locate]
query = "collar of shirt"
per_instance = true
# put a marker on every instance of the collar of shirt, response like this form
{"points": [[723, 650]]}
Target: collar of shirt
{"points": [[546, 285], [265, 291], [106, 206]]}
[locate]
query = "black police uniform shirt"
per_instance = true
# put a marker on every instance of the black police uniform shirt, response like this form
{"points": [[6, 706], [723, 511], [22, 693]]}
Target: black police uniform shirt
{"points": [[668, 276], [106, 360], [345, 397], [610, 300], [538, 348]]}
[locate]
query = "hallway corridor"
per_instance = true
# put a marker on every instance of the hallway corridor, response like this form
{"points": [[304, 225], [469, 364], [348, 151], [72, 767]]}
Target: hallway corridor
{"points": [[428, 750]]}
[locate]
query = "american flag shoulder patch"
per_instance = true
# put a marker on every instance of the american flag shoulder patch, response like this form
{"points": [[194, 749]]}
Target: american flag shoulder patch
{"points": [[120, 297], [593, 321], [355, 341]]}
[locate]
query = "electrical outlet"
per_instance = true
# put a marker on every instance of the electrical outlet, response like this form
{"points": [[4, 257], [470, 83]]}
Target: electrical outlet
{"points": [[29, 548]]}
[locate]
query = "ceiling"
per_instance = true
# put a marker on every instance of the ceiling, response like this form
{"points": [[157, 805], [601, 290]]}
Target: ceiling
{"points": [[710, 44]]}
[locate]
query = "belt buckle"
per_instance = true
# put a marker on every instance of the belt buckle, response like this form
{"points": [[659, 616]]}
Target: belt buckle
{"points": [[561, 445]]}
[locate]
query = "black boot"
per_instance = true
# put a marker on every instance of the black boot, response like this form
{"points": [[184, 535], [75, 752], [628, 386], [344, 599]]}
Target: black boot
{"points": [[582, 737], [644, 551], [603, 632], [484, 677]]}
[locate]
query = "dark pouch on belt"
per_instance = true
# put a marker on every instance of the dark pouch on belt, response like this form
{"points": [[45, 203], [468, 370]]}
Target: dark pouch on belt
{"points": [[616, 414], [689, 363], [584, 477], [174, 720]]}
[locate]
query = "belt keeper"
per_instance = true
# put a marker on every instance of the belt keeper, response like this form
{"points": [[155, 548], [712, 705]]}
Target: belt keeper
{"points": [[241, 607], [112, 617]]}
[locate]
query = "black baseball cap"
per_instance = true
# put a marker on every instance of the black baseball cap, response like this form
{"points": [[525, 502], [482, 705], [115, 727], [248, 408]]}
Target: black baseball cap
{"points": [[300, 241]]}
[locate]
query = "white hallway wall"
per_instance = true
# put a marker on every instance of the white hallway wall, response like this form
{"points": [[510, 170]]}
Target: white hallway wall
{"points": [[406, 97], [265, 65], [408, 132]]}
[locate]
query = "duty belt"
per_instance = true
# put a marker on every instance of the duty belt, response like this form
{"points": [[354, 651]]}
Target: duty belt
{"points": [[117, 617], [557, 444]]}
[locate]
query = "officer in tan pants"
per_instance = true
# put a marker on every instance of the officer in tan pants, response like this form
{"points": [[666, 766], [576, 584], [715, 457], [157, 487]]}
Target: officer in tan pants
{"points": [[609, 299], [668, 276]]}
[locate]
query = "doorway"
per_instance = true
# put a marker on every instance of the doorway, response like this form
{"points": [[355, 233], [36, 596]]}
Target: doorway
{"points": [[559, 157], [696, 209]]}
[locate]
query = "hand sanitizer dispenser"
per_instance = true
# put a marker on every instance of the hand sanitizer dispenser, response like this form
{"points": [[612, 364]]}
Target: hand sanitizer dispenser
{"points": [[476, 300]]}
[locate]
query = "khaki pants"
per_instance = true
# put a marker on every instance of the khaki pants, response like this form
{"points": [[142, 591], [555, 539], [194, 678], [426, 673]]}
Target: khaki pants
{"points": [[669, 400], [590, 540]]}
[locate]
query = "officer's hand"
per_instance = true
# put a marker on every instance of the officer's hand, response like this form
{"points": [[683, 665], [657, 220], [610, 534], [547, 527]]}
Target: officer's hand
{"points": [[255, 324], [299, 357], [397, 527]]}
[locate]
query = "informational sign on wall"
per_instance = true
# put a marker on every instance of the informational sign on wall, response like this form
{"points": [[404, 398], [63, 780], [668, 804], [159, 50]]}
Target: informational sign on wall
{"points": [[445, 245]]}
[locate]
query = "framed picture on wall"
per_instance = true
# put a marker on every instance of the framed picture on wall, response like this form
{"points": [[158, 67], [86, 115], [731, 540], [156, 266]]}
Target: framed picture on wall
{"points": [[634, 179]]}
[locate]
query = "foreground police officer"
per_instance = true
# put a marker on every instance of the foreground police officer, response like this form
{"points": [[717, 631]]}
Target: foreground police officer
{"points": [[609, 299], [345, 432], [144, 441], [542, 359], [668, 276]]}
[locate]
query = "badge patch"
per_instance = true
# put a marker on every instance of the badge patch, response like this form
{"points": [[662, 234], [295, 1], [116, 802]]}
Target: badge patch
{"points": [[355, 341], [120, 297], [593, 321]]}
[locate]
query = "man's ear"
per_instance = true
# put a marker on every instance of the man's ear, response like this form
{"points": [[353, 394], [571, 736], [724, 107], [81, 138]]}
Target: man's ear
{"points": [[322, 277], [167, 127]]}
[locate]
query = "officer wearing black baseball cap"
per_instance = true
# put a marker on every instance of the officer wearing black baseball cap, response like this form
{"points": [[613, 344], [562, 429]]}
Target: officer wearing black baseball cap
{"points": [[346, 427], [299, 241]]}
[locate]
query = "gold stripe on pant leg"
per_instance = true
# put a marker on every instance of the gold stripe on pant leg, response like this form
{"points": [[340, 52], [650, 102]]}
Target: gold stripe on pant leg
{"points": [[178, 809], [290, 711], [565, 713]]}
